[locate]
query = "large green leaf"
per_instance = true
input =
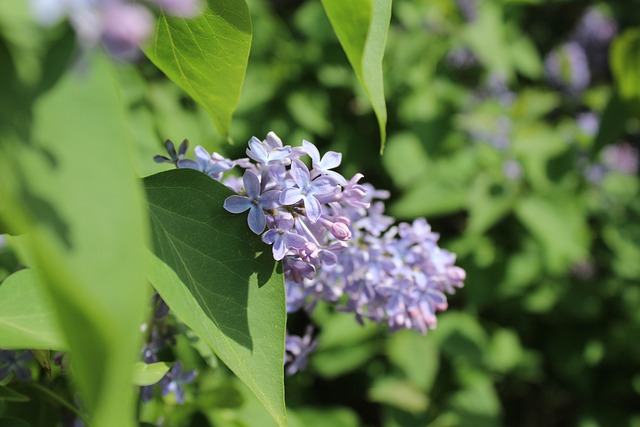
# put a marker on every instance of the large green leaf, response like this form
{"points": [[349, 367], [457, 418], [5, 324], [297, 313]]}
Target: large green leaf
{"points": [[206, 56], [219, 279], [68, 181], [27, 319], [361, 27]]}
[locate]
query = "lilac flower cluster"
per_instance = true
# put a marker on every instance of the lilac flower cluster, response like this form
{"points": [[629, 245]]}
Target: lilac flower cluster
{"points": [[120, 25], [332, 236]]}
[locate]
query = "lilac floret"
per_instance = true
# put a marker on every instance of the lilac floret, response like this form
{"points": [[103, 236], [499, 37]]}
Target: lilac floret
{"points": [[211, 164], [307, 190], [264, 153], [282, 238], [323, 165], [253, 201]]}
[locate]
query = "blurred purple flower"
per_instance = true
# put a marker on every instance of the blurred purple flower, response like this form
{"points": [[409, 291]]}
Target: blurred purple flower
{"points": [[621, 157], [12, 361], [297, 350], [567, 68]]}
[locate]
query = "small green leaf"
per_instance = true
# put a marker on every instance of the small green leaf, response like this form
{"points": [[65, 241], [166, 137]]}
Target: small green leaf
{"points": [[560, 226], [416, 356], [206, 56], [219, 279], [149, 373], [401, 394], [27, 318], [361, 27]]}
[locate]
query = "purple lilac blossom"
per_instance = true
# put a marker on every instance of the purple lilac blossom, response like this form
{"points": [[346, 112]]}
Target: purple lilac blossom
{"points": [[335, 242]]}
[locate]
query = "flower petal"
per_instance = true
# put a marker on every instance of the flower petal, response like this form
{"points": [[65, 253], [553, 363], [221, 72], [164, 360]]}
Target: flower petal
{"points": [[270, 199], [251, 184], [293, 240], [300, 174], [323, 185], [313, 208], [330, 160], [290, 196], [237, 204], [279, 249], [312, 151], [270, 236], [256, 219], [188, 164], [256, 150]]}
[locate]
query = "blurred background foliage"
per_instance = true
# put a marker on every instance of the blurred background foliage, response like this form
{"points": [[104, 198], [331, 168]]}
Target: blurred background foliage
{"points": [[514, 128]]}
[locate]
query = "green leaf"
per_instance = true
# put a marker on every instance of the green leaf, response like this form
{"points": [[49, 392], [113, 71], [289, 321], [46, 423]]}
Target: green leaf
{"points": [[416, 356], [206, 56], [401, 394], [560, 226], [361, 27], [625, 63], [27, 319], [612, 125], [219, 279], [149, 373], [71, 184]]}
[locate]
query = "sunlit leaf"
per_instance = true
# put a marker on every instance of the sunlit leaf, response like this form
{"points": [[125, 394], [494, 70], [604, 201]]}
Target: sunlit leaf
{"points": [[27, 319], [206, 56], [361, 27], [219, 279], [149, 373]]}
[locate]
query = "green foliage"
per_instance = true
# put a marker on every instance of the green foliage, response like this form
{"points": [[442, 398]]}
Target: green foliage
{"points": [[625, 63], [149, 373], [219, 279], [37, 329], [206, 56], [86, 236], [361, 27]]}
